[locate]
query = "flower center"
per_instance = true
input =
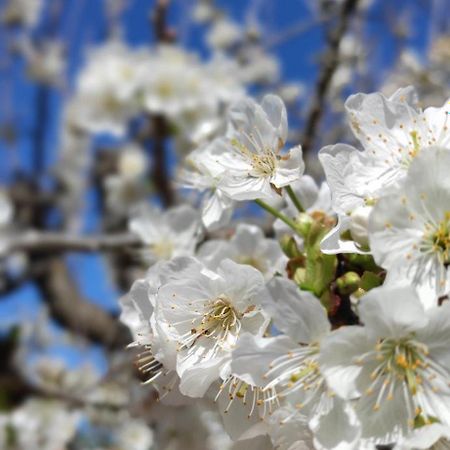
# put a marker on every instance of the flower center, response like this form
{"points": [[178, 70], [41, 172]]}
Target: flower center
{"points": [[401, 359], [298, 369], [220, 321], [263, 162], [437, 240], [262, 400], [163, 249], [403, 367]]}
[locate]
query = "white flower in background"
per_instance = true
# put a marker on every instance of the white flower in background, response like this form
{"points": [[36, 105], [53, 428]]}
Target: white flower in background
{"points": [[224, 33], [225, 79], [132, 162], [22, 12], [46, 62], [205, 314], [134, 434], [43, 425], [53, 375], [202, 172], [287, 367], [429, 437], [410, 228], [249, 246], [313, 198], [251, 152], [167, 234], [259, 67], [126, 189], [396, 367], [196, 128], [108, 87], [203, 11], [291, 92], [393, 132]]}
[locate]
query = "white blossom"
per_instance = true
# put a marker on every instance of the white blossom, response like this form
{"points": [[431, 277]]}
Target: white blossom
{"points": [[251, 153], [396, 367], [203, 173], [393, 132], [223, 34], [247, 246], [107, 89], [286, 366], [168, 234], [429, 437], [205, 313], [47, 425], [410, 227]]}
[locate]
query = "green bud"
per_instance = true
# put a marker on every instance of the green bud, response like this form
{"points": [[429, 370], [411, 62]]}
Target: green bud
{"points": [[348, 283], [300, 276], [304, 222], [370, 280], [365, 262], [289, 246]]}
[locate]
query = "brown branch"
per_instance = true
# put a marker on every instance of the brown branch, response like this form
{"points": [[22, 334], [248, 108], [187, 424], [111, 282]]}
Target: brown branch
{"points": [[159, 19], [47, 242], [329, 66], [77, 314], [160, 173]]}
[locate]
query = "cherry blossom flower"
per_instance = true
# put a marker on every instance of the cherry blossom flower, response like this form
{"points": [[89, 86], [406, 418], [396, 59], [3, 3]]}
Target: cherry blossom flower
{"points": [[396, 368], [410, 228], [204, 313]]}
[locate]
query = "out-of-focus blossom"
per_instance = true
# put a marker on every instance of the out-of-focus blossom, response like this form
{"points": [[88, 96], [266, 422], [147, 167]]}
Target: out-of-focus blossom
{"points": [[107, 89], [46, 63], [40, 424], [22, 12], [169, 234], [247, 246], [223, 34]]}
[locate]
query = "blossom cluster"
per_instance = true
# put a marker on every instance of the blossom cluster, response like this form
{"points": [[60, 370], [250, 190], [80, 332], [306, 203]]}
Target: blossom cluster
{"points": [[334, 333], [276, 296]]}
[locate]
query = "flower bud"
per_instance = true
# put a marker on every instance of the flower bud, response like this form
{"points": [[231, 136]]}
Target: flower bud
{"points": [[304, 222], [289, 246], [359, 225], [348, 283]]}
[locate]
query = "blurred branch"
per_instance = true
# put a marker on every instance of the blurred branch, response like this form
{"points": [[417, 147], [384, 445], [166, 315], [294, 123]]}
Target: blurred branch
{"points": [[77, 314], [329, 65], [57, 242], [159, 20], [160, 173]]}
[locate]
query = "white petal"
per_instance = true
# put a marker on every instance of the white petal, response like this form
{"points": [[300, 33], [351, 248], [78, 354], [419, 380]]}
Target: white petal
{"points": [[297, 313]]}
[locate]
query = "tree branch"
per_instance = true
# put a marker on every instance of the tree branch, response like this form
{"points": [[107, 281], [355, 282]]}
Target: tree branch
{"points": [[47, 242], [77, 314], [329, 66], [160, 175]]}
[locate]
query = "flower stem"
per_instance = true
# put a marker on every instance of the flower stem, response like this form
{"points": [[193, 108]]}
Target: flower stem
{"points": [[277, 214], [295, 199]]}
